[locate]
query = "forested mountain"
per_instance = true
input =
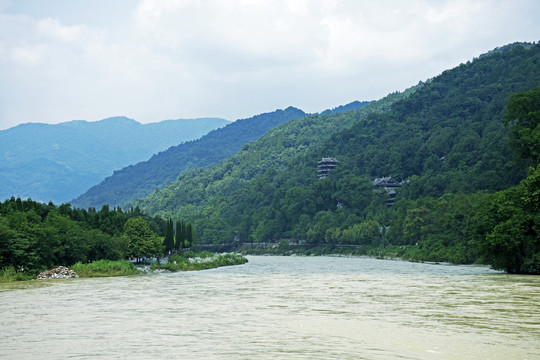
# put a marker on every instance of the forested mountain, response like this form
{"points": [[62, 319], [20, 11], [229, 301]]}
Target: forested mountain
{"points": [[58, 162], [136, 181], [446, 140], [271, 153]]}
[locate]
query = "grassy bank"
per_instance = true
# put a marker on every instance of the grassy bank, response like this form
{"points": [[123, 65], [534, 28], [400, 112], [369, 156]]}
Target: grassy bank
{"points": [[9, 274], [191, 261], [104, 268]]}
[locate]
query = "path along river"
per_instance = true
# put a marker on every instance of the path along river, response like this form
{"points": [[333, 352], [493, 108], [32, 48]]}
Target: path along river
{"points": [[278, 308]]}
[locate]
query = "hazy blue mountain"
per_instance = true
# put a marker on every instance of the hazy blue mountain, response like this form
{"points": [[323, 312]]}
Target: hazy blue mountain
{"points": [[57, 162], [139, 180]]}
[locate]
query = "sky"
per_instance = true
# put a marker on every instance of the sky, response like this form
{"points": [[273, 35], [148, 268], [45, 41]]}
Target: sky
{"points": [[153, 60]]}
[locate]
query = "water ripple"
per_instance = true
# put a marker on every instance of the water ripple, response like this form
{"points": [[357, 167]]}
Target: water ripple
{"points": [[279, 308]]}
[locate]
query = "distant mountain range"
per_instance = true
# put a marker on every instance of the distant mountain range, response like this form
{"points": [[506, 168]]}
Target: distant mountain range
{"points": [[58, 162], [136, 181]]}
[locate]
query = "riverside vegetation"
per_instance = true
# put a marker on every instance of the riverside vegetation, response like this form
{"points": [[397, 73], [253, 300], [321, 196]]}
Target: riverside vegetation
{"points": [[185, 261], [189, 261], [36, 236]]}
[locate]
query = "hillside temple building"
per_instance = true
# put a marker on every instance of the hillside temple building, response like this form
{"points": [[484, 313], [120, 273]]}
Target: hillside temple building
{"points": [[388, 184], [325, 166]]}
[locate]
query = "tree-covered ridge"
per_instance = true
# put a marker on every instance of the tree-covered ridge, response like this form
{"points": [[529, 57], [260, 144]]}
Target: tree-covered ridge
{"points": [[447, 139], [355, 105], [137, 181], [58, 162], [272, 152]]}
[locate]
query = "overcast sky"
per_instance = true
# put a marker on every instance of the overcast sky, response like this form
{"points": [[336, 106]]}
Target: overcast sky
{"points": [[153, 60]]}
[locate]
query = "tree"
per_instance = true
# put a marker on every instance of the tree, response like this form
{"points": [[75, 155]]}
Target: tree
{"points": [[189, 235], [168, 241], [332, 235], [179, 244], [509, 223], [365, 233], [523, 115], [72, 246], [503, 229], [414, 225], [142, 241]]}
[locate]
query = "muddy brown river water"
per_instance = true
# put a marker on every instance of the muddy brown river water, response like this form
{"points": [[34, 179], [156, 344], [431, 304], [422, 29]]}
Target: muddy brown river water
{"points": [[278, 308]]}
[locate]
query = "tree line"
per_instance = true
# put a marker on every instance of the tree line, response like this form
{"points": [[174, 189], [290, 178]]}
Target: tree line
{"points": [[35, 236], [178, 239]]}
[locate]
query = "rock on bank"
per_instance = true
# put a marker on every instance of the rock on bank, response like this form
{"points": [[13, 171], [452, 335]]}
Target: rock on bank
{"points": [[60, 272]]}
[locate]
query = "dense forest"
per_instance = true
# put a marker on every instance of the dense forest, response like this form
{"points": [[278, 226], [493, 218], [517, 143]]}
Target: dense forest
{"points": [[272, 152], [445, 142], [35, 236]]}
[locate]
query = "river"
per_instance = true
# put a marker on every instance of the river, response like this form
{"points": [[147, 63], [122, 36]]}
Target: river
{"points": [[278, 308]]}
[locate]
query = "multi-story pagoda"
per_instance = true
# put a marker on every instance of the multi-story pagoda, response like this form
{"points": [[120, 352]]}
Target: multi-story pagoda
{"points": [[386, 182], [389, 185], [325, 166]]}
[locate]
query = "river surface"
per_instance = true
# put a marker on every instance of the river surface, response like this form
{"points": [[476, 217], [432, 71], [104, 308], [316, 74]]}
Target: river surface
{"points": [[278, 308]]}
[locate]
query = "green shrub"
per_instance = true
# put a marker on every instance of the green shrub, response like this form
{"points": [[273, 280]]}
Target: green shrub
{"points": [[103, 268], [9, 274], [200, 261]]}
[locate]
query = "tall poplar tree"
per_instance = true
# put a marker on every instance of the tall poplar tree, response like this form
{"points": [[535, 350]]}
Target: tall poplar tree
{"points": [[179, 239], [168, 242], [189, 235]]}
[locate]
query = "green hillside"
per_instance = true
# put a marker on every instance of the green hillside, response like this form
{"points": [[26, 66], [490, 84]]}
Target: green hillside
{"points": [[271, 153], [447, 141]]}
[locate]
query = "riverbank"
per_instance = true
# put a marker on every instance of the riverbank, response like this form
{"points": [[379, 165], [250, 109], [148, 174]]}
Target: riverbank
{"points": [[411, 253], [285, 249], [189, 261], [101, 268], [199, 261], [105, 268]]}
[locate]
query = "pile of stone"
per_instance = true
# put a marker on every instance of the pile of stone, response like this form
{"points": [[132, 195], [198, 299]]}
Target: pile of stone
{"points": [[60, 272]]}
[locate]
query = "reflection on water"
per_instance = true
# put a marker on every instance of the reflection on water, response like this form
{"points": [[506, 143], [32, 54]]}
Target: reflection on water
{"points": [[279, 307]]}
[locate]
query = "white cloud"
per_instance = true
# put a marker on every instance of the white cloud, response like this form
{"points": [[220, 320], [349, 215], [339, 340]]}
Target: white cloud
{"points": [[52, 29], [154, 60]]}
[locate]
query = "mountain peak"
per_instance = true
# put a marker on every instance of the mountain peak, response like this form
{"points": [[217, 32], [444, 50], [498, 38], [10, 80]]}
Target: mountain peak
{"points": [[87, 151], [139, 180]]}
